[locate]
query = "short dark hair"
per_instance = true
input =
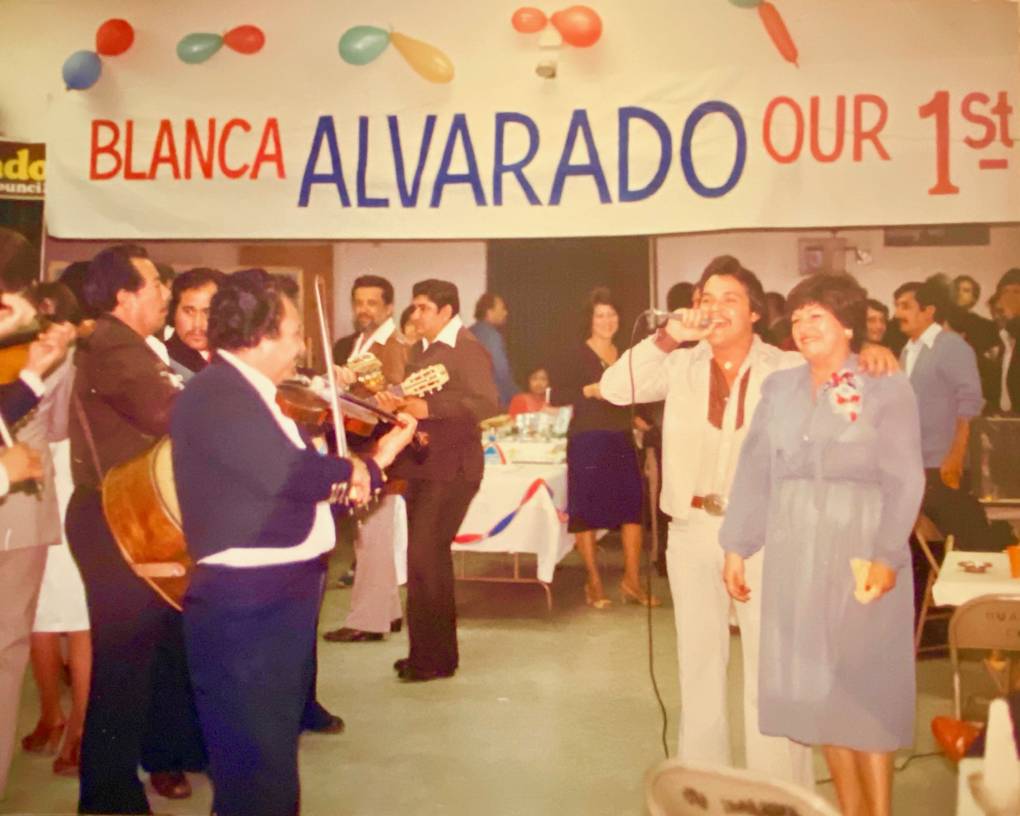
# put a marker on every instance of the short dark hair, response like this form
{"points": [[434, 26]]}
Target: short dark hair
{"points": [[65, 305], [19, 261], [878, 306], [191, 279], [841, 295], [73, 277], [442, 293], [599, 296], [167, 274], [1011, 277], [247, 307], [485, 302], [111, 271], [731, 267], [929, 293], [680, 296], [974, 284], [374, 282], [957, 319], [775, 300], [405, 316]]}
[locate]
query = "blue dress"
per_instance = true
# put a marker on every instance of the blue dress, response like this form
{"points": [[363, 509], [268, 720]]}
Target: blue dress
{"points": [[817, 488]]}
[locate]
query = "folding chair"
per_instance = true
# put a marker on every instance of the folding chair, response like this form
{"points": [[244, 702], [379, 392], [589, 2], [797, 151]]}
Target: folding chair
{"points": [[925, 532], [990, 623], [677, 788]]}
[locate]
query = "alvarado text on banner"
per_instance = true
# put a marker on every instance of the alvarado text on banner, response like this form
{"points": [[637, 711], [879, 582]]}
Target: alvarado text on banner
{"points": [[684, 115]]}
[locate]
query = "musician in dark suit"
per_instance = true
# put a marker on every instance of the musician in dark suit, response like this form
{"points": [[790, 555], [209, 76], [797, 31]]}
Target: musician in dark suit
{"points": [[1004, 383], [190, 297], [120, 405], [443, 480], [254, 498], [375, 331]]}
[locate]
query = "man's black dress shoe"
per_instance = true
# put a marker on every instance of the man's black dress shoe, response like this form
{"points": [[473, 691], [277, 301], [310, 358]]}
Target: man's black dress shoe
{"points": [[409, 674], [345, 635], [400, 665], [171, 784], [317, 719], [332, 725], [396, 625]]}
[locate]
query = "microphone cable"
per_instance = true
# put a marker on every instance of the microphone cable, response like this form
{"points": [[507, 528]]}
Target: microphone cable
{"points": [[653, 507]]}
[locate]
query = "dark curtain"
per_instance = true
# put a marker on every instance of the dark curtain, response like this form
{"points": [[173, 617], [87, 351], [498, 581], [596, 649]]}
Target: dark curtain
{"points": [[544, 283]]}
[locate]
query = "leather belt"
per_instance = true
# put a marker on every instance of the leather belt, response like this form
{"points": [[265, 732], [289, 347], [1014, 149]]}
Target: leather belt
{"points": [[713, 504]]}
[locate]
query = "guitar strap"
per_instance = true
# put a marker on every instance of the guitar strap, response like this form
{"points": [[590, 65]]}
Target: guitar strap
{"points": [[87, 428]]}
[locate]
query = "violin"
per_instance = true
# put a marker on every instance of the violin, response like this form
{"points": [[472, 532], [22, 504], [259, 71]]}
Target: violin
{"points": [[299, 401]]}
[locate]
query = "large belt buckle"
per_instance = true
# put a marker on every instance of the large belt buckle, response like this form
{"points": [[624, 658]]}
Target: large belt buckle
{"points": [[714, 504]]}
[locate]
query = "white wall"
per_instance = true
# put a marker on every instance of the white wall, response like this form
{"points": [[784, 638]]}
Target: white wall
{"points": [[772, 255], [404, 263]]}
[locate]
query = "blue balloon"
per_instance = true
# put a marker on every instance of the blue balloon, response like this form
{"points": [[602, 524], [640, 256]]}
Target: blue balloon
{"points": [[81, 70]]}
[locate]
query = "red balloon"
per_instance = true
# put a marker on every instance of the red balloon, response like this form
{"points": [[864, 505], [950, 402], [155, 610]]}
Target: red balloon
{"points": [[114, 37], [528, 20], [779, 33], [579, 26], [245, 39]]}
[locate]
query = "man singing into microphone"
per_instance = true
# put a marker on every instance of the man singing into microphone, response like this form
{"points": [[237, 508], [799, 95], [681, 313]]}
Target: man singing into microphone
{"points": [[711, 391]]}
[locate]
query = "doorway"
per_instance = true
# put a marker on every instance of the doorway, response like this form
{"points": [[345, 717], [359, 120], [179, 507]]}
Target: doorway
{"points": [[545, 282]]}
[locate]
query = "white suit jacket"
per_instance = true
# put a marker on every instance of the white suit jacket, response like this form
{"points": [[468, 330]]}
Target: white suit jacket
{"points": [[681, 378]]}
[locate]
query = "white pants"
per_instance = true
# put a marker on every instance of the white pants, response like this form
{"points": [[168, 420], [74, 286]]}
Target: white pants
{"points": [[375, 600], [702, 607]]}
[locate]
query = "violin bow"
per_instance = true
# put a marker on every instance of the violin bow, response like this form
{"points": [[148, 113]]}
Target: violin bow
{"points": [[5, 433], [327, 352]]}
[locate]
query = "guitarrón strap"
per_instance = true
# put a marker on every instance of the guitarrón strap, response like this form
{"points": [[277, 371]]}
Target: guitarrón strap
{"points": [[87, 428]]}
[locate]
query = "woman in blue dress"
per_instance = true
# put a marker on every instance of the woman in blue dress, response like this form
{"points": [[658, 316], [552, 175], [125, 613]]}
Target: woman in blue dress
{"points": [[829, 481]]}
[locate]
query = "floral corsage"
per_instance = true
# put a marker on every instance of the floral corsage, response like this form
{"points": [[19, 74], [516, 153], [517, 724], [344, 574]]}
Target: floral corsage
{"points": [[844, 395]]}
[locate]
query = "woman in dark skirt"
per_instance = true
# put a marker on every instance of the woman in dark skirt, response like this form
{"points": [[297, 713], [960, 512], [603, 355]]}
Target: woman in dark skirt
{"points": [[603, 480]]}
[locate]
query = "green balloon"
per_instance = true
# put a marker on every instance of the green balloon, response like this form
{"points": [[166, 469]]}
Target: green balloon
{"points": [[362, 44], [746, 3], [196, 48]]}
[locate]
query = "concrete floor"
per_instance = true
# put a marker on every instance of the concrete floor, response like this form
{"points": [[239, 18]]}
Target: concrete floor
{"points": [[549, 714]]}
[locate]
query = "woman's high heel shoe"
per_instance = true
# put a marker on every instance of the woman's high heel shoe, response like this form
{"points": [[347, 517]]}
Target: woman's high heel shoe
{"points": [[630, 595], [597, 601], [67, 764], [45, 739]]}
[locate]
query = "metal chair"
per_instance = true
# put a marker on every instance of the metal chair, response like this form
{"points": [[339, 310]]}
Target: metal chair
{"points": [[925, 532], [677, 788], [990, 623]]}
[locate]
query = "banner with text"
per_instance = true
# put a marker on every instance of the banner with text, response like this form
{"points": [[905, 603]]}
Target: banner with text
{"points": [[392, 121]]}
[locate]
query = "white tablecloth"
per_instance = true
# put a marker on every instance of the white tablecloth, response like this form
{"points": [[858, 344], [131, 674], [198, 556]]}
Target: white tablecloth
{"points": [[955, 586], [538, 524]]}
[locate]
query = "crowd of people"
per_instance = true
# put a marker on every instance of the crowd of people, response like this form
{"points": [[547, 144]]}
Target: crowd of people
{"points": [[800, 437]]}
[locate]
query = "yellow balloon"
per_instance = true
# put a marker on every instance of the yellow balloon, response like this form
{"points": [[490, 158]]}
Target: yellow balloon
{"points": [[427, 60]]}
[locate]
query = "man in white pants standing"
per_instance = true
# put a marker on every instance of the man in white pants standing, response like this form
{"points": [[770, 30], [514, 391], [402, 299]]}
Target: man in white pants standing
{"points": [[711, 391]]}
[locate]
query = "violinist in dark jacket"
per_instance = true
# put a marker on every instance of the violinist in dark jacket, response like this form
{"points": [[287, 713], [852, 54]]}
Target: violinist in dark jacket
{"points": [[255, 502]]}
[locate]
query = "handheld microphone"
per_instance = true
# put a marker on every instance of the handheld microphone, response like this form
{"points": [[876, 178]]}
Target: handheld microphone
{"points": [[662, 317]]}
